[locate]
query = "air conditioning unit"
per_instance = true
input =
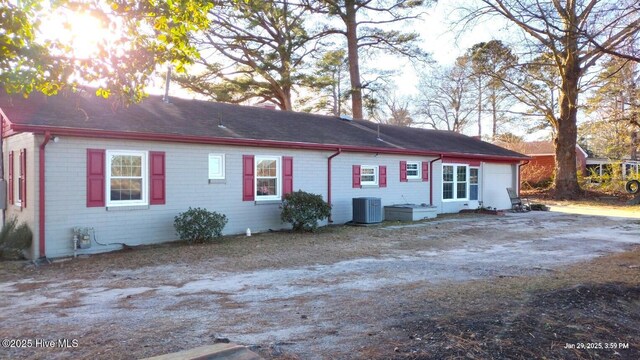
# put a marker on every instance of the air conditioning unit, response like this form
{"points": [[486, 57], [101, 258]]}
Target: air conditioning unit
{"points": [[367, 210]]}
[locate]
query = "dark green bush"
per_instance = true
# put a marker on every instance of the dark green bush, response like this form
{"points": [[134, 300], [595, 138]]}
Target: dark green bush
{"points": [[303, 210], [199, 225], [14, 239]]}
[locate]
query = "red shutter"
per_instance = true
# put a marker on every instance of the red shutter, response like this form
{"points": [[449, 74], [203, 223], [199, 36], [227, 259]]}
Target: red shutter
{"points": [[356, 176], [10, 190], [157, 178], [247, 178], [403, 171], [425, 171], [95, 177], [23, 177], [287, 175], [383, 176]]}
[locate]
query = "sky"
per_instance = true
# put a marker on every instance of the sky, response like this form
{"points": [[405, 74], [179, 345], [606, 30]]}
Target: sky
{"points": [[439, 37]]}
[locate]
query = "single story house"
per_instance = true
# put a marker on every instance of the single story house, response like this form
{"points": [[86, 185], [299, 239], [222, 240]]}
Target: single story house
{"points": [[76, 160], [542, 166]]}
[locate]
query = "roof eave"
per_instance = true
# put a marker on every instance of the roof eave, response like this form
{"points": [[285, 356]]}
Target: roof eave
{"points": [[110, 134]]}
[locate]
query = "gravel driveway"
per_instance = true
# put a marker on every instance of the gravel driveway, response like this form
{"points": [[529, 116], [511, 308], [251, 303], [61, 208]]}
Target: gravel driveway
{"points": [[312, 296]]}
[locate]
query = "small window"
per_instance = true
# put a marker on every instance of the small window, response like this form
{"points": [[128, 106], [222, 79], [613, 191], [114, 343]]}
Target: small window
{"points": [[368, 175], [267, 178], [126, 178], [216, 166], [414, 170]]}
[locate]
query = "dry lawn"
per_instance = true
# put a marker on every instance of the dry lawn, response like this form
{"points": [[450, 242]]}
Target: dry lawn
{"points": [[463, 286]]}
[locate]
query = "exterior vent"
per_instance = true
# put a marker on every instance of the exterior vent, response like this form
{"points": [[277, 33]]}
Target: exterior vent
{"points": [[367, 210]]}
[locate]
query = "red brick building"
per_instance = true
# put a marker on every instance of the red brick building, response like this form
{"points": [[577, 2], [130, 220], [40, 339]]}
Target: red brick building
{"points": [[542, 165]]}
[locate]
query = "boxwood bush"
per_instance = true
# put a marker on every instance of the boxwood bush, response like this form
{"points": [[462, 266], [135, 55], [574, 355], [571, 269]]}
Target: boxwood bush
{"points": [[199, 225], [303, 210]]}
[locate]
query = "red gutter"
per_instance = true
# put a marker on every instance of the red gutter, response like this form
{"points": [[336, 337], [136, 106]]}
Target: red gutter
{"points": [[110, 134], [41, 198], [329, 179], [519, 171], [431, 179]]}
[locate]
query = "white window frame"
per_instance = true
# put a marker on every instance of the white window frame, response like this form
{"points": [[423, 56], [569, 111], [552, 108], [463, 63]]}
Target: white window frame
{"points": [[278, 177], [376, 176], [144, 198], [217, 174], [418, 175], [455, 183]]}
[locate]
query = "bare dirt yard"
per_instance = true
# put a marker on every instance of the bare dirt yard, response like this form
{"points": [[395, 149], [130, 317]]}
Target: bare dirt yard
{"points": [[563, 284]]}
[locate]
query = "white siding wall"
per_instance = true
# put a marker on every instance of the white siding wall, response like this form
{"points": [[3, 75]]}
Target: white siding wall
{"points": [[494, 179], [187, 185], [497, 178], [29, 214], [396, 192]]}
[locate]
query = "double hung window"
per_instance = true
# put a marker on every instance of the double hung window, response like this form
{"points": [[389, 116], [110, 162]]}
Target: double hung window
{"points": [[126, 178], [455, 182]]}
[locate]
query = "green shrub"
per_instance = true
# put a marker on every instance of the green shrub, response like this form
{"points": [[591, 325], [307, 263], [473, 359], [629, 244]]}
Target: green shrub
{"points": [[303, 210], [199, 225], [14, 239]]}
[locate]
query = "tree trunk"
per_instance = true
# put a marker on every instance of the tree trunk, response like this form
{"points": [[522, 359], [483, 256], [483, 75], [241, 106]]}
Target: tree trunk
{"points": [[335, 93], [634, 144], [635, 119], [494, 113], [287, 100], [354, 62], [284, 98], [480, 107], [566, 181]]}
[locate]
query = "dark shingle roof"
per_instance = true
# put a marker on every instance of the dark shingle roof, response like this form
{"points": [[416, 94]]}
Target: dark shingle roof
{"points": [[203, 119], [531, 147]]}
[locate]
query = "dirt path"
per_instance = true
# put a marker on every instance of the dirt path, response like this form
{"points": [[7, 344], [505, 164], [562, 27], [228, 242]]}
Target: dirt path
{"points": [[343, 293]]}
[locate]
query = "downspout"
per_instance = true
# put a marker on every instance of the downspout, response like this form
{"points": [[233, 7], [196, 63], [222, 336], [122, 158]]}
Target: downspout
{"points": [[519, 172], [41, 197], [329, 180], [431, 180]]}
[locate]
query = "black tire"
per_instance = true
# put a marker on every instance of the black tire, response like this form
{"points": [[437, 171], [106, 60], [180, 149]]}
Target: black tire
{"points": [[632, 186]]}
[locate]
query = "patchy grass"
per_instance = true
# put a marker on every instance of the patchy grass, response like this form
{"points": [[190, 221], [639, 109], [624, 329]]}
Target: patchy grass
{"points": [[595, 304], [298, 296]]}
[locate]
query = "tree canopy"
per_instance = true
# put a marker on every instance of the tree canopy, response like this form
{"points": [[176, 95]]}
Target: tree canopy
{"points": [[150, 32]]}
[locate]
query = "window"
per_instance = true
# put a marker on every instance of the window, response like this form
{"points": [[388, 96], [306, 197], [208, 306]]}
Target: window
{"points": [[368, 175], [126, 178], [216, 166], [413, 170], [454, 182], [267, 178], [473, 183], [630, 170]]}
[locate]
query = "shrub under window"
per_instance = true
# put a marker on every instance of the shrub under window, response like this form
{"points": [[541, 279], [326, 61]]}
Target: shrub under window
{"points": [[303, 210], [199, 225]]}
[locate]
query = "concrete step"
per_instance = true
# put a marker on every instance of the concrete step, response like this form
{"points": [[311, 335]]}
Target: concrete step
{"points": [[229, 351]]}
